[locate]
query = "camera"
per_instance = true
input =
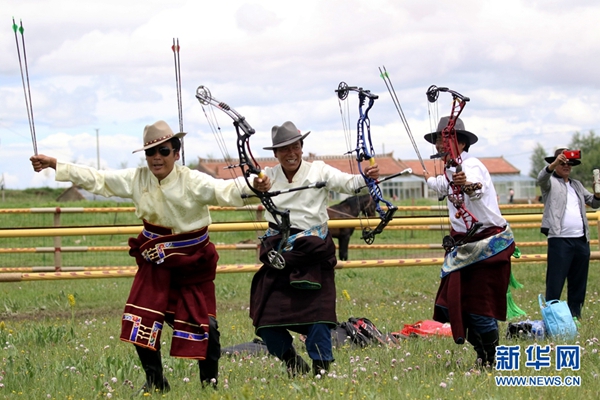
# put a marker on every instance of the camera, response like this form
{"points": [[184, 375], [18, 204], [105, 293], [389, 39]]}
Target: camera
{"points": [[572, 154]]}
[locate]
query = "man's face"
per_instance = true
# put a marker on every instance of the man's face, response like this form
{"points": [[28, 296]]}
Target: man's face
{"points": [[290, 157], [439, 146], [563, 170], [161, 160]]}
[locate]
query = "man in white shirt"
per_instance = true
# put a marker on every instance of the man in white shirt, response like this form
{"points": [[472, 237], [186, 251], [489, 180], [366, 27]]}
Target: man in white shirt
{"points": [[476, 270], [566, 225], [177, 262], [300, 297]]}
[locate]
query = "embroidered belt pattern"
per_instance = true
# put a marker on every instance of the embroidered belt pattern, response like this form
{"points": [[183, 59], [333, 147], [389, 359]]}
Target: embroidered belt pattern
{"points": [[157, 253], [317, 230], [471, 253]]}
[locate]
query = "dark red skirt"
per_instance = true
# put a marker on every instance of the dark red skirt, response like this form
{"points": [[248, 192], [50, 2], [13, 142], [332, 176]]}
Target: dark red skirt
{"points": [[477, 289], [180, 292]]}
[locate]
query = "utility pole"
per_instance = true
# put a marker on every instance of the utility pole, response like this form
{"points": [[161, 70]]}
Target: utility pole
{"points": [[97, 150]]}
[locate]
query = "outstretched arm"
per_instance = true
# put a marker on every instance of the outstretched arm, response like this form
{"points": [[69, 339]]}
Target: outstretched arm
{"points": [[41, 162]]}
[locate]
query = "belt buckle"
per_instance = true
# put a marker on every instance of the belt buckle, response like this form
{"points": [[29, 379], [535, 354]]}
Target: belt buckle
{"points": [[155, 254]]}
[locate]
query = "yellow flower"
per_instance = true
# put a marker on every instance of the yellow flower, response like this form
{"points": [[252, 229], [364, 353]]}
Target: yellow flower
{"points": [[346, 295], [71, 299], [2, 326]]}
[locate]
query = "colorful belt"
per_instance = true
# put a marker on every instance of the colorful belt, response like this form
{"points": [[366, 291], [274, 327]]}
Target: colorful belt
{"points": [[157, 253]]}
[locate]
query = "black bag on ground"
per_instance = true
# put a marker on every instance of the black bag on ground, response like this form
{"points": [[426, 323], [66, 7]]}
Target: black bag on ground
{"points": [[362, 332]]}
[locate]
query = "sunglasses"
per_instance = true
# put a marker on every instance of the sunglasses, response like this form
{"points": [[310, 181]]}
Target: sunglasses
{"points": [[163, 151]]}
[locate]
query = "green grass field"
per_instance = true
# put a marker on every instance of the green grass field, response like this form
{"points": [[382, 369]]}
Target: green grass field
{"points": [[59, 340]]}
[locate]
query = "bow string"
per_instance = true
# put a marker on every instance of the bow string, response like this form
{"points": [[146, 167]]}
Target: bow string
{"points": [[364, 152], [449, 152], [249, 166], [390, 87]]}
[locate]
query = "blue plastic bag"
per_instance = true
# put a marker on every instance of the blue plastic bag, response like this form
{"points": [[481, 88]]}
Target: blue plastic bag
{"points": [[558, 319]]}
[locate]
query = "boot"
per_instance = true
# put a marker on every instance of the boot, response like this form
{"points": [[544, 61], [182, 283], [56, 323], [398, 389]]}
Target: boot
{"points": [[209, 370], [152, 365], [294, 363], [475, 339], [490, 342], [320, 365]]}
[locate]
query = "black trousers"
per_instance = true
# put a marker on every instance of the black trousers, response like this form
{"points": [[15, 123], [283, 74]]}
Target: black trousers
{"points": [[568, 259], [152, 362]]}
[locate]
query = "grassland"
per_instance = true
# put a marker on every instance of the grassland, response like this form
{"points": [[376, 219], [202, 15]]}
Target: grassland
{"points": [[59, 339]]}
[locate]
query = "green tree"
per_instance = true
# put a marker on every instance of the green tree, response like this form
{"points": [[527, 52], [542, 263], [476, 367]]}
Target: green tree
{"points": [[537, 160], [590, 156]]}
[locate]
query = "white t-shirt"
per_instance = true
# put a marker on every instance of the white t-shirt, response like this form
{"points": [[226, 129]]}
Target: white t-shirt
{"points": [[572, 223]]}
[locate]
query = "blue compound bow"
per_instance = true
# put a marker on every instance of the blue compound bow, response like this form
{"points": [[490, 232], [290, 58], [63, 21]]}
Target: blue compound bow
{"points": [[364, 151]]}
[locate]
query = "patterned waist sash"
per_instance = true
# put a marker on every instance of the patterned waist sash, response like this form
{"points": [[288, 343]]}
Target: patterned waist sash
{"points": [[159, 247], [474, 252], [317, 230]]}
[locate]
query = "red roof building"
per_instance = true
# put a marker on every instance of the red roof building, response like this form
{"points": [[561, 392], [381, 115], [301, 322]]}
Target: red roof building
{"points": [[406, 186]]}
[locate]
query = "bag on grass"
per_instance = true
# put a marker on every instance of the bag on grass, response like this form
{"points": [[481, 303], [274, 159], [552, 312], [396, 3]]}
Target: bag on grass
{"points": [[526, 330], [426, 328], [363, 332], [558, 319]]}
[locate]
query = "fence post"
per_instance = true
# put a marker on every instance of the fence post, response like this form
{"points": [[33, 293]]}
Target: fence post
{"points": [[259, 217], [57, 243]]}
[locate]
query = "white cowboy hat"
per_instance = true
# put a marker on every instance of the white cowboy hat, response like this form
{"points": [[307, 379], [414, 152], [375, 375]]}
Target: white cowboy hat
{"points": [[157, 133]]}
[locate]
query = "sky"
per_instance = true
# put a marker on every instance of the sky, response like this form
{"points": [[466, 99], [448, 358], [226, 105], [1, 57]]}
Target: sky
{"points": [[99, 71]]}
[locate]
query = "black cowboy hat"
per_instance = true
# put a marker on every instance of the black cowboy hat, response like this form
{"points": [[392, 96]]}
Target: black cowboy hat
{"points": [[557, 152], [459, 127]]}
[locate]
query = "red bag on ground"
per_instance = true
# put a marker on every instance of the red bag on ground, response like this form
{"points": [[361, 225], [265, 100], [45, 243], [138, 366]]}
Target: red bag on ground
{"points": [[425, 328]]}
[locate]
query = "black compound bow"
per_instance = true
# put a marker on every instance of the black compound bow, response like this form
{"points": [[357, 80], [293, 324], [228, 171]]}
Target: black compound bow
{"points": [[249, 167]]}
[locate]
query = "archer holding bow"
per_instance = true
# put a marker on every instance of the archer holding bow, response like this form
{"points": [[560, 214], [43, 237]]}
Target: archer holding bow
{"points": [[300, 297], [176, 260], [476, 271]]}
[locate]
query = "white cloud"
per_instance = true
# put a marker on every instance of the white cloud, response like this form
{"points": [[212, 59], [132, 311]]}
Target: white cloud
{"points": [[528, 67]]}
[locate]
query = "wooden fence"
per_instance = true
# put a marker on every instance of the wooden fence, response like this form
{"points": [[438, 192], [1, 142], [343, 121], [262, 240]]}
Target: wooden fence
{"points": [[57, 232]]}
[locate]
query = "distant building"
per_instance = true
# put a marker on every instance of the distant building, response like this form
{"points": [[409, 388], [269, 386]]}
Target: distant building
{"points": [[402, 187], [504, 176], [406, 186]]}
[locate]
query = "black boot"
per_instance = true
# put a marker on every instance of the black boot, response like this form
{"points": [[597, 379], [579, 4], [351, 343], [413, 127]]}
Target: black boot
{"points": [[294, 363], [490, 342], [152, 364], [475, 339], [209, 372], [320, 367]]}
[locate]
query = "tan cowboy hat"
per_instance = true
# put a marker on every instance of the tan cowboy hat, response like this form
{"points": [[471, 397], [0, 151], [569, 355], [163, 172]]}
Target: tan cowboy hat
{"points": [[284, 135], [157, 133], [459, 127], [557, 151]]}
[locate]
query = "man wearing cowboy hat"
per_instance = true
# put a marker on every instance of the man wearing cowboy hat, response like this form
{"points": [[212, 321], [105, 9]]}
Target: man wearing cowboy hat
{"points": [[177, 262], [566, 225], [301, 296], [476, 273]]}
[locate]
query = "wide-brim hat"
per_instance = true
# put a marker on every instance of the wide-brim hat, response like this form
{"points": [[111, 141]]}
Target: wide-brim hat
{"points": [[285, 134], [157, 133], [557, 152], [459, 127]]}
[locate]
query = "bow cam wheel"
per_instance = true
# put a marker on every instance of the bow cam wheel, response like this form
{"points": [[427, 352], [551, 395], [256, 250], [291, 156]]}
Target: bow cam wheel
{"points": [[203, 95]]}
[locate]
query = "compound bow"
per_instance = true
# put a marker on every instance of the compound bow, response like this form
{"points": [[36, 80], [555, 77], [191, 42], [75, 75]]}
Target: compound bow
{"points": [[249, 167], [364, 151], [453, 159]]}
